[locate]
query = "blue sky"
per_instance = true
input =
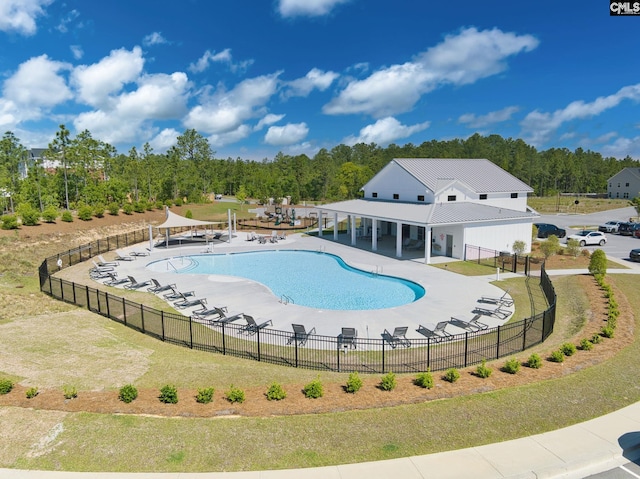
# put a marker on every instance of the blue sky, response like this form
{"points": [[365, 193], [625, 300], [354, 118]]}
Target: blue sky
{"points": [[257, 77]]}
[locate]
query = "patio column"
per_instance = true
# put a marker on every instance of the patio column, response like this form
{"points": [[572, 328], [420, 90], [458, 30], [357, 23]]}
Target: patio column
{"points": [[398, 239], [374, 234], [319, 223], [427, 241], [335, 226], [352, 222]]}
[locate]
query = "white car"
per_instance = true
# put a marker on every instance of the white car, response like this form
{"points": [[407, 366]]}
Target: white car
{"points": [[589, 237], [610, 227]]}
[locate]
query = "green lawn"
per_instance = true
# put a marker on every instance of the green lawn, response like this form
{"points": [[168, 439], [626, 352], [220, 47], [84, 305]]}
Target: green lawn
{"points": [[566, 204]]}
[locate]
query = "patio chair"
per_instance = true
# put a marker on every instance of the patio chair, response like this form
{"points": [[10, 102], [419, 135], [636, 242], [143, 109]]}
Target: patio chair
{"points": [[251, 236], [103, 262], [504, 300], [176, 295], [102, 269], [97, 274], [159, 288], [140, 253], [398, 338], [472, 325], [252, 327], [135, 284], [438, 334], [347, 339], [210, 314], [120, 256], [115, 281], [417, 245], [496, 312], [300, 334], [190, 303]]}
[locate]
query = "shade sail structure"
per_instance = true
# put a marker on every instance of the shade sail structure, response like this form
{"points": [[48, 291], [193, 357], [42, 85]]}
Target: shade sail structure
{"points": [[176, 221]]}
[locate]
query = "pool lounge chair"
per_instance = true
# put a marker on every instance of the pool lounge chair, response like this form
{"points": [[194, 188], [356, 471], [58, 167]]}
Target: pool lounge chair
{"points": [[397, 338], [115, 281], [471, 325], [156, 287], [251, 236], [504, 300], [496, 312], [252, 327], [102, 269], [96, 274], [103, 262], [300, 334], [439, 333], [210, 314], [139, 253], [175, 295], [120, 256], [347, 339], [135, 284], [190, 303]]}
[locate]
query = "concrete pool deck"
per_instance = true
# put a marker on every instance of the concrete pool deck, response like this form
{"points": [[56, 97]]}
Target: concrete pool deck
{"points": [[447, 294]]}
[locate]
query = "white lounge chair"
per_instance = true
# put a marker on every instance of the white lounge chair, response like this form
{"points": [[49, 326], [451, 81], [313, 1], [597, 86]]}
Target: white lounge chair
{"points": [[439, 333], [397, 338], [472, 325], [504, 300]]}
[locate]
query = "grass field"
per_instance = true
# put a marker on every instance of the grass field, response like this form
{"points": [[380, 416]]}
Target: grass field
{"points": [[566, 204]]}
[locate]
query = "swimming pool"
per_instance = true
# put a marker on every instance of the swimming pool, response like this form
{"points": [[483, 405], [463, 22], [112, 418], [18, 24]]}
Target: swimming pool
{"points": [[307, 278]]}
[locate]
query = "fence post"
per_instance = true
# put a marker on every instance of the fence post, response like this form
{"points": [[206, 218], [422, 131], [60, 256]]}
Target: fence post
{"points": [[162, 323], [258, 333], [61, 291], [338, 353], [124, 311], [73, 288], [524, 333], [86, 289], [106, 299], [382, 357], [466, 348], [224, 342], [498, 344], [515, 263], [190, 332], [428, 353], [296, 344], [142, 317]]}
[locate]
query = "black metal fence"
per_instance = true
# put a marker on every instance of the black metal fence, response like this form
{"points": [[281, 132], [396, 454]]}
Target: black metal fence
{"points": [[504, 260], [282, 347]]}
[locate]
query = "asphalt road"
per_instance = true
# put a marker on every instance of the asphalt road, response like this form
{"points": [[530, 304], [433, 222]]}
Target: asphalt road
{"points": [[617, 246]]}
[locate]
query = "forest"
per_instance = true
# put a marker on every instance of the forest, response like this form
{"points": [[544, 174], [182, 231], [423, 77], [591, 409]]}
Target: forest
{"points": [[84, 172]]}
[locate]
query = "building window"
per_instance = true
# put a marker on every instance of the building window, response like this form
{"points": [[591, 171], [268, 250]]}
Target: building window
{"points": [[627, 185], [451, 198], [374, 195], [396, 196], [483, 196], [420, 197], [618, 185], [617, 195], [514, 195], [625, 196], [610, 185]]}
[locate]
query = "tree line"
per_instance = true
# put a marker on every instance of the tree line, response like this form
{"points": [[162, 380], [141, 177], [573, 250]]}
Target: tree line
{"points": [[88, 171]]}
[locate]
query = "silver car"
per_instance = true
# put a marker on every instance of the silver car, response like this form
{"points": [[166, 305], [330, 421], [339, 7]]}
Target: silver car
{"points": [[589, 237]]}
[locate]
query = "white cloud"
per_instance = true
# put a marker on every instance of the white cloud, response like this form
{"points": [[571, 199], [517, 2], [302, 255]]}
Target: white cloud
{"points": [[164, 140], [97, 81], [203, 62], [310, 8], [287, 134], [314, 79], [154, 38], [623, 147], [460, 59], [385, 131], [77, 51], [225, 111], [37, 83], [68, 18], [269, 119], [491, 118], [229, 137], [538, 127], [20, 15]]}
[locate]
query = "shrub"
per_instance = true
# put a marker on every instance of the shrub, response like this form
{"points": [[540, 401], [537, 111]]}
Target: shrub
{"points": [[596, 338], [98, 211], [168, 394], [573, 247], [607, 332], [388, 382], [188, 214], [586, 253], [31, 393], [568, 349], [518, 247], [158, 204], [127, 208], [114, 209], [29, 215], [139, 207], [598, 263], [128, 393], [50, 214], [70, 392], [313, 390], [551, 246], [85, 213], [205, 395], [9, 222], [512, 366], [178, 202], [534, 361], [586, 345], [67, 217], [235, 395], [276, 392], [483, 371], [557, 356], [354, 383], [451, 375], [424, 380], [6, 385], [534, 232]]}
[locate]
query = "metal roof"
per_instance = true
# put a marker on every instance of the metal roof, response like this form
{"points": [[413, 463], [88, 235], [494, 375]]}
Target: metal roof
{"points": [[482, 175]]}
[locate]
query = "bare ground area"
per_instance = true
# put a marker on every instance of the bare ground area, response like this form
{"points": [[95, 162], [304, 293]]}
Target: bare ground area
{"points": [[50, 236]]}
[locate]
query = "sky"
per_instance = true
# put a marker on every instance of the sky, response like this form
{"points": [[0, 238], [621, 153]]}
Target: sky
{"points": [[259, 77]]}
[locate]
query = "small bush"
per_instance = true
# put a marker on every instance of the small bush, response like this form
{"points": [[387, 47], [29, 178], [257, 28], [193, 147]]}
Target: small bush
{"points": [[276, 392], [388, 382], [557, 356], [50, 214], [313, 390], [67, 217], [140, 206], [85, 213], [586, 253], [188, 214], [205, 395], [424, 380], [596, 338], [607, 332], [29, 215], [235, 395], [483, 371], [6, 385], [178, 202], [550, 246], [128, 393], [451, 375], [534, 361], [568, 349], [354, 383], [31, 393], [512, 366], [9, 222], [168, 394], [98, 211], [586, 345], [127, 209], [598, 263], [519, 247], [114, 209], [573, 247], [70, 392]]}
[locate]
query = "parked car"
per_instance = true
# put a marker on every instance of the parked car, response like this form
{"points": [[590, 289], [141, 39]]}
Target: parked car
{"points": [[634, 255], [610, 227], [547, 229], [589, 237], [628, 228]]}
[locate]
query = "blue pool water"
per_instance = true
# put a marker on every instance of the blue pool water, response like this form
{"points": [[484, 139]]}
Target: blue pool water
{"points": [[317, 280]]}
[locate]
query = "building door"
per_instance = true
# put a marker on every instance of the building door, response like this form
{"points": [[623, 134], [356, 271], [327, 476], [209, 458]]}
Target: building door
{"points": [[449, 246]]}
